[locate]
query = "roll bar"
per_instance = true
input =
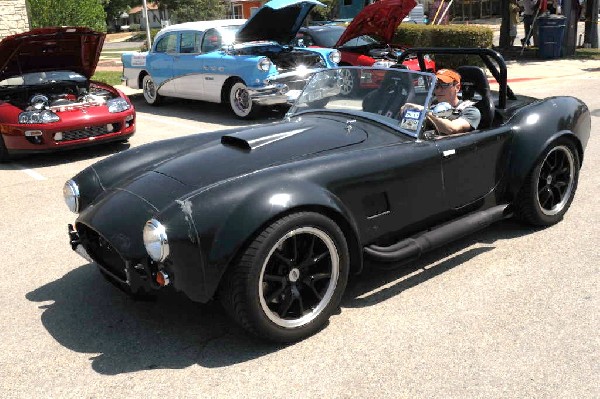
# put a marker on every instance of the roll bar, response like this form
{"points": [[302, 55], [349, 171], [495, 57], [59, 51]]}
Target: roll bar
{"points": [[492, 59]]}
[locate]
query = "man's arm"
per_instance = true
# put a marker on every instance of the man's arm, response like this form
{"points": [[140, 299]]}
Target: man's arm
{"points": [[445, 126]]}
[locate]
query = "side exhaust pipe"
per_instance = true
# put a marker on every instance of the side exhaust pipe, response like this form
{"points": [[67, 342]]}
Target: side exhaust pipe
{"points": [[412, 248]]}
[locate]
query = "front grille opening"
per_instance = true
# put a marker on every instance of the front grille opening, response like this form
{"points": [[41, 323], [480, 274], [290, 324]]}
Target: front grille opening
{"points": [[90, 131], [101, 251]]}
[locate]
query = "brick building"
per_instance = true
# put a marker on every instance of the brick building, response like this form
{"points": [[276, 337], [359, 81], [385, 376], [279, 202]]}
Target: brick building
{"points": [[13, 17]]}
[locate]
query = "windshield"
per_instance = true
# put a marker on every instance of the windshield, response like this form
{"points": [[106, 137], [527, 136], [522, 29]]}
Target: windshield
{"points": [[228, 33], [39, 78], [380, 96]]}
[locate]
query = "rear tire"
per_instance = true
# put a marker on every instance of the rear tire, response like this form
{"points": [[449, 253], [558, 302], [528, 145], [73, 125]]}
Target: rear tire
{"points": [[290, 279], [550, 187], [150, 91]]}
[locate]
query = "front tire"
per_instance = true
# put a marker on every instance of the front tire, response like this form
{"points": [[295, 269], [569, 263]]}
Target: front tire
{"points": [[550, 187], [4, 157], [290, 279], [240, 101], [150, 91]]}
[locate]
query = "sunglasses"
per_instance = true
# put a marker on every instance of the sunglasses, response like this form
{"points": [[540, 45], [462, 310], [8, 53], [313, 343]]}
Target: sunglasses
{"points": [[441, 85]]}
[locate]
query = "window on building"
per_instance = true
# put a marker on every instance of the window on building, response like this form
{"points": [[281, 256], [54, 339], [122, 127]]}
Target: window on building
{"points": [[237, 11], [347, 2]]}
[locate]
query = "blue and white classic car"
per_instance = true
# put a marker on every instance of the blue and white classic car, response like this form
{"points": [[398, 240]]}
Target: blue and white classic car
{"points": [[229, 61]]}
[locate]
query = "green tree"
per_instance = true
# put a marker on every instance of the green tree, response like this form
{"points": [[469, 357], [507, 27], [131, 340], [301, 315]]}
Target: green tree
{"points": [[196, 10], [325, 13], [114, 8], [89, 13]]}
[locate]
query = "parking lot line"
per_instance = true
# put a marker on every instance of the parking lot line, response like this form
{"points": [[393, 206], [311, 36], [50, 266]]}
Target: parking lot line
{"points": [[32, 173], [168, 122]]}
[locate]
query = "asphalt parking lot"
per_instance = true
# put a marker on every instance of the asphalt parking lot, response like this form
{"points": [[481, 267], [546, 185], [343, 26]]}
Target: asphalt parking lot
{"points": [[508, 312]]}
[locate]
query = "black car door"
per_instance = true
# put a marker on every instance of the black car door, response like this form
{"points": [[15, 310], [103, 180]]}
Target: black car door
{"points": [[395, 188], [473, 164]]}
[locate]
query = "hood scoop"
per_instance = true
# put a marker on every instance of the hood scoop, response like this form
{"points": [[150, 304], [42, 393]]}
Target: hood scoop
{"points": [[253, 149], [253, 139]]}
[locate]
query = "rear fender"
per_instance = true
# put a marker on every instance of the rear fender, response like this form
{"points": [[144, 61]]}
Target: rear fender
{"points": [[540, 125]]}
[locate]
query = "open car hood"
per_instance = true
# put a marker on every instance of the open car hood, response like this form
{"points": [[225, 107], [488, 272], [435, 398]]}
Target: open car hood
{"points": [[277, 20], [74, 49], [379, 20]]}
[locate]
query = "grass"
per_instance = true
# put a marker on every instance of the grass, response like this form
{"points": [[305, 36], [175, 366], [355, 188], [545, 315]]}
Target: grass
{"points": [[587, 53], [109, 77]]}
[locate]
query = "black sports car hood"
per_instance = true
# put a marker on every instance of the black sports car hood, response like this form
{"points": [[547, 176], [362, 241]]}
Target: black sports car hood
{"points": [[277, 20], [256, 148]]}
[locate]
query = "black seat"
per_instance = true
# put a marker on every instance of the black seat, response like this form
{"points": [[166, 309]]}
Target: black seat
{"points": [[395, 90], [473, 82]]}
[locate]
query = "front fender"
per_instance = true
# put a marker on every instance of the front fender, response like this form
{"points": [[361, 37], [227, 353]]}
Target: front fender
{"points": [[538, 125], [246, 210]]}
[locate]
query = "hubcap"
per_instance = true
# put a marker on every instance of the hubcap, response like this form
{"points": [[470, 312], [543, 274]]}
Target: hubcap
{"points": [[299, 277], [347, 82], [149, 89], [241, 100], [556, 180]]}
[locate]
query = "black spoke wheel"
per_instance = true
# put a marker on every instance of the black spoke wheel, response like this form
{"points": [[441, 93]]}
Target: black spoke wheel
{"points": [[290, 279], [551, 186]]}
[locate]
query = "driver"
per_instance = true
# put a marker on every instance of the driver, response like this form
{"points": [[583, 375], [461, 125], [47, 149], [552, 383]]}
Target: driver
{"points": [[448, 114]]}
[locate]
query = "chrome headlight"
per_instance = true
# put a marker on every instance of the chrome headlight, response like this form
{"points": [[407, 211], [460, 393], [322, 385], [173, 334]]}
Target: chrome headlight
{"points": [[71, 195], [155, 240], [117, 105], [335, 56], [39, 116], [264, 64]]}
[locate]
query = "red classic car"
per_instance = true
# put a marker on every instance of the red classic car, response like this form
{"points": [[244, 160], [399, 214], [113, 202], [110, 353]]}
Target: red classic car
{"points": [[365, 42], [47, 101]]}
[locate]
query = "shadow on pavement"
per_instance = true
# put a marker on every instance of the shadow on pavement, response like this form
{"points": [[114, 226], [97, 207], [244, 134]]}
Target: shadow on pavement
{"points": [[89, 315], [366, 289], [65, 156], [86, 314]]}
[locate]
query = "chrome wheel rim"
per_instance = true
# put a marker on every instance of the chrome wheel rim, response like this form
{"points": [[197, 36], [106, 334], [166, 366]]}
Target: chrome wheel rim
{"points": [[149, 90], [241, 100], [556, 180], [347, 82], [299, 277]]}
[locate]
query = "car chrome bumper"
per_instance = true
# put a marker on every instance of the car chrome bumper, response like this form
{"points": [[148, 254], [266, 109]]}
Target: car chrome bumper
{"points": [[270, 94]]}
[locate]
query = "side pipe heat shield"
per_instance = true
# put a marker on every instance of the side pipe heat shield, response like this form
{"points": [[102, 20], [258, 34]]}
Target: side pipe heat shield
{"points": [[412, 248]]}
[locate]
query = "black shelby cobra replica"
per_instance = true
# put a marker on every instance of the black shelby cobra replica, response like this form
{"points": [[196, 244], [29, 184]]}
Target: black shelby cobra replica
{"points": [[271, 220]]}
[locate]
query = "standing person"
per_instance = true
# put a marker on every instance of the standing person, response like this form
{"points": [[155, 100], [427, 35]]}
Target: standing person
{"points": [[514, 10], [529, 8]]}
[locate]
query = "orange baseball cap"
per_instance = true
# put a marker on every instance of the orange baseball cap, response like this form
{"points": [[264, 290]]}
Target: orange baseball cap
{"points": [[448, 76]]}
